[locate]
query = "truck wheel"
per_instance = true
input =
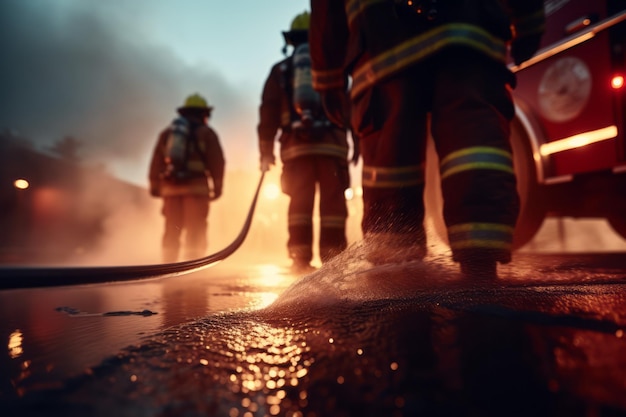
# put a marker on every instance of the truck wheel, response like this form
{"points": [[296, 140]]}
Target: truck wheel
{"points": [[532, 209]]}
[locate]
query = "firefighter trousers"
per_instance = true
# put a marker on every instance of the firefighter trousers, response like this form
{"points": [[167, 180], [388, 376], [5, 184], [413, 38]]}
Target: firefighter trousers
{"points": [[470, 107], [188, 214], [301, 178]]}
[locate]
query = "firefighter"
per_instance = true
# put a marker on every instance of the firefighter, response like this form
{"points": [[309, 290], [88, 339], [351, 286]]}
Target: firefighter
{"points": [[187, 171], [313, 152], [443, 64]]}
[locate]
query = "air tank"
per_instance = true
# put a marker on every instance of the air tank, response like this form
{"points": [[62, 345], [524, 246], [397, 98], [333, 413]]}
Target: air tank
{"points": [[306, 100], [176, 147]]}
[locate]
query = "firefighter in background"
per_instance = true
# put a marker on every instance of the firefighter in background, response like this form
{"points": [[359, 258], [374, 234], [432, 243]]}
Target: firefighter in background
{"points": [[314, 152], [445, 59], [187, 171]]}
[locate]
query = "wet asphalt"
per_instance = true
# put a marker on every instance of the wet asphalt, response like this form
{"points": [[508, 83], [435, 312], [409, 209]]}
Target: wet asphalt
{"points": [[350, 339]]}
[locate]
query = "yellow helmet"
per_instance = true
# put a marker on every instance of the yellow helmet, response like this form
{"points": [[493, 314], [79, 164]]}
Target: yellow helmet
{"points": [[196, 101], [299, 31], [301, 21]]}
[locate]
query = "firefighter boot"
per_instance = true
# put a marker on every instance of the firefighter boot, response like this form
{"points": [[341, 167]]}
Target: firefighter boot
{"points": [[301, 266], [480, 269], [301, 256]]}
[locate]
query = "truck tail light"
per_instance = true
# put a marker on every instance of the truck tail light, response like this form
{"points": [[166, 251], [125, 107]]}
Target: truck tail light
{"points": [[617, 82]]}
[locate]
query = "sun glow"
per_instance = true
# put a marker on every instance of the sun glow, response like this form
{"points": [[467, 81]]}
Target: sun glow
{"points": [[271, 191], [273, 279]]}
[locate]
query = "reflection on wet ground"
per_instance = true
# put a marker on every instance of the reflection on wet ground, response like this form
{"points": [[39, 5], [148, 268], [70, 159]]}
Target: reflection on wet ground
{"points": [[396, 340], [53, 333]]}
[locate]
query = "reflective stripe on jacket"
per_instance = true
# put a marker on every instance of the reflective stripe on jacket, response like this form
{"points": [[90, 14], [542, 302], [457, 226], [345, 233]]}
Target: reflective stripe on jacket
{"points": [[367, 40], [277, 118]]}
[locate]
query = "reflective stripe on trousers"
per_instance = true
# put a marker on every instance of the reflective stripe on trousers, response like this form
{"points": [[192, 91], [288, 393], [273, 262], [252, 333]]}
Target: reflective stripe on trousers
{"points": [[301, 179], [471, 109]]}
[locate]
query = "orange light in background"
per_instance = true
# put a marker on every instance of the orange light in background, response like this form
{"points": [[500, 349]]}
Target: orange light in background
{"points": [[274, 279], [15, 344], [271, 191], [353, 192], [270, 275], [21, 184], [617, 82]]}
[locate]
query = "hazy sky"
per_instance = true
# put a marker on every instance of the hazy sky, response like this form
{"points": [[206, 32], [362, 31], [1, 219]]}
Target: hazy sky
{"points": [[111, 73]]}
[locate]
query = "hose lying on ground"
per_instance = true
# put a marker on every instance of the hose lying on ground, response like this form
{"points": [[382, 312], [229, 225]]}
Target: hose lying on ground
{"points": [[15, 277]]}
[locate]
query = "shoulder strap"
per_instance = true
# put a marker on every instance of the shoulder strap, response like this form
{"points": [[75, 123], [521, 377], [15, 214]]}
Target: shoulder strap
{"points": [[286, 74]]}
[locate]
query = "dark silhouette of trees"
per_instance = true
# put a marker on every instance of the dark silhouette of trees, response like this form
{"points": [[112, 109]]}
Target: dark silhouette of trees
{"points": [[67, 148]]}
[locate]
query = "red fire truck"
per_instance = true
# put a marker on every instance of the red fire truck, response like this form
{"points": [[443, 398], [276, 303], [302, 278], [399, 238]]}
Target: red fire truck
{"points": [[569, 133]]}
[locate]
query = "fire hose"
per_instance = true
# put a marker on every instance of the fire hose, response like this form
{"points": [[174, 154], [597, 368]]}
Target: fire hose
{"points": [[16, 277]]}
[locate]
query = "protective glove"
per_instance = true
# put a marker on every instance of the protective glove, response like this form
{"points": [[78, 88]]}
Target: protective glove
{"points": [[336, 105], [356, 149], [217, 193], [524, 47], [266, 161]]}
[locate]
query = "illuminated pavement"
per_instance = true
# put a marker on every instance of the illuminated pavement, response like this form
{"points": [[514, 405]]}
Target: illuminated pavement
{"points": [[348, 340]]}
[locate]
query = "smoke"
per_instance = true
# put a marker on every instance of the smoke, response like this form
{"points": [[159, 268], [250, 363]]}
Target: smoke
{"points": [[88, 71]]}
